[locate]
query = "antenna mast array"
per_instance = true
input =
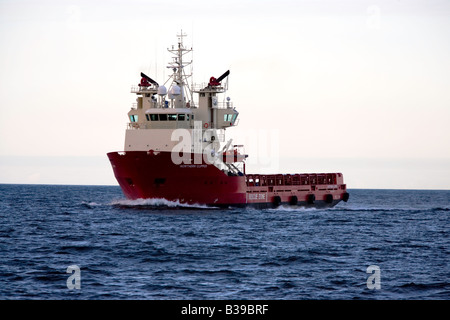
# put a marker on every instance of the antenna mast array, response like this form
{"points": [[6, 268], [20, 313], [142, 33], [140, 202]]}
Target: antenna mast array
{"points": [[179, 88]]}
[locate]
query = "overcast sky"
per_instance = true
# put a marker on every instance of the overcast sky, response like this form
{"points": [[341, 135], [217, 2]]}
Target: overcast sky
{"points": [[358, 87]]}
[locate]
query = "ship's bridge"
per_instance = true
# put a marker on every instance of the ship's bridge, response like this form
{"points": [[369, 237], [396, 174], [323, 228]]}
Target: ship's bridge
{"points": [[161, 118]]}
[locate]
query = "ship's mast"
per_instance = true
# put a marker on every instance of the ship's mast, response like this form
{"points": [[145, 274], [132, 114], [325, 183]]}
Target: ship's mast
{"points": [[180, 91]]}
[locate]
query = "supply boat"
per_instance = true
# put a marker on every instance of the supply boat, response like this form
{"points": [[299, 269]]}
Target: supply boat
{"points": [[175, 149]]}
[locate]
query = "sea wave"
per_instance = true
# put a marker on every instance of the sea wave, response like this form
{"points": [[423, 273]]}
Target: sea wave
{"points": [[156, 203], [90, 204], [391, 209], [293, 209], [159, 249]]}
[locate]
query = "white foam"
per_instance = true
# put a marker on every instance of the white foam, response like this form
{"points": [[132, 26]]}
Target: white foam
{"points": [[91, 204], [292, 209], [158, 202]]}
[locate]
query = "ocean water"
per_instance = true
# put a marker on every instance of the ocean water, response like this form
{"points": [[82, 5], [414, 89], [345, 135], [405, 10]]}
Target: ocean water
{"points": [[154, 249]]}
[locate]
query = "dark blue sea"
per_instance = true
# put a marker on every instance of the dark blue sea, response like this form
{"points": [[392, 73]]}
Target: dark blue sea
{"points": [[160, 250]]}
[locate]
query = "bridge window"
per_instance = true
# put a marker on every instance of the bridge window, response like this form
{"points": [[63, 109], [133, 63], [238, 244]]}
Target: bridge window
{"points": [[154, 117], [163, 117], [172, 117], [227, 117], [134, 118], [181, 117]]}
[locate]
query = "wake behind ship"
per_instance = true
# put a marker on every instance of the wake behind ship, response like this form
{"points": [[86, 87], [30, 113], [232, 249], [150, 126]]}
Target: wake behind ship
{"points": [[175, 149]]}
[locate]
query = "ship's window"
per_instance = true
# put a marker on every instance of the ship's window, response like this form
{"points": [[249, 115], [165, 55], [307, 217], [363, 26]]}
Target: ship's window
{"points": [[187, 117], [163, 117], [181, 117], [234, 117], [148, 119], [227, 117], [154, 117], [172, 117], [134, 118]]}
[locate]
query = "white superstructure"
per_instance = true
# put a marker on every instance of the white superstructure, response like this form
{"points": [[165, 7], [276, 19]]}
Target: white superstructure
{"points": [[161, 109]]}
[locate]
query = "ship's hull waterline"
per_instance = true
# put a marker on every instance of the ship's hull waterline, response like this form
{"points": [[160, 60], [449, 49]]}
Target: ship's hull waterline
{"points": [[153, 175]]}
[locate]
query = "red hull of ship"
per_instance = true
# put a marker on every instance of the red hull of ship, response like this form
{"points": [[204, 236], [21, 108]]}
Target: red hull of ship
{"points": [[153, 175]]}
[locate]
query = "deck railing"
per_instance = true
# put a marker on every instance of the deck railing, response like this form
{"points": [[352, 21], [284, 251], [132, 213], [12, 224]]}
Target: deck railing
{"points": [[291, 179]]}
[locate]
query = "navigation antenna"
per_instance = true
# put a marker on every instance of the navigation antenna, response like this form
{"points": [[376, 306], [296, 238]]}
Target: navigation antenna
{"points": [[180, 86]]}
